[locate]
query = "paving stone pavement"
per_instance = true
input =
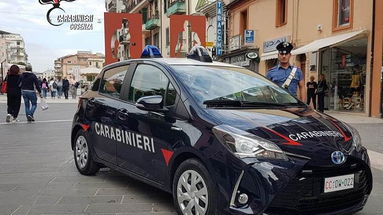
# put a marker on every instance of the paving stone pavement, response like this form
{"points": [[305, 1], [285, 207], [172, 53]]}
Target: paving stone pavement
{"points": [[38, 175]]}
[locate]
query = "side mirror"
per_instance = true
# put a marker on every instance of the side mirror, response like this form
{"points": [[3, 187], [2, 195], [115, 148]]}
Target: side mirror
{"points": [[151, 103]]}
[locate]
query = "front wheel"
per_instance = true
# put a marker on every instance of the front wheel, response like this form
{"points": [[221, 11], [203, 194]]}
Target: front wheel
{"points": [[194, 192], [83, 156]]}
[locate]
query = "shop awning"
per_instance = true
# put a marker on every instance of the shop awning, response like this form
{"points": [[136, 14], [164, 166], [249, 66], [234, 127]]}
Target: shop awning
{"points": [[269, 55], [328, 41]]}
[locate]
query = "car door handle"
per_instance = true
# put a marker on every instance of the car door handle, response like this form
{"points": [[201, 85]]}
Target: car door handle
{"points": [[122, 114]]}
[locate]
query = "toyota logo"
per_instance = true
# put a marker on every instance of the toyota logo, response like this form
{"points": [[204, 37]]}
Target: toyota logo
{"points": [[338, 157]]}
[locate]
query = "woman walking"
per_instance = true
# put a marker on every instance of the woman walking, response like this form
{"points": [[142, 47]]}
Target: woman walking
{"points": [[29, 82], [322, 87], [13, 93], [44, 87]]}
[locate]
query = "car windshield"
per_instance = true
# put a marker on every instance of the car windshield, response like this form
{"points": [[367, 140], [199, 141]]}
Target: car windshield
{"points": [[231, 86]]}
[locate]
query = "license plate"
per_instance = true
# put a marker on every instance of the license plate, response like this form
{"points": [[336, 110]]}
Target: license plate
{"points": [[338, 183]]}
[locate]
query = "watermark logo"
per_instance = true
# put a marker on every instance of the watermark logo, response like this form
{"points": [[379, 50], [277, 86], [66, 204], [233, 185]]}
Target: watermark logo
{"points": [[56, 16]]}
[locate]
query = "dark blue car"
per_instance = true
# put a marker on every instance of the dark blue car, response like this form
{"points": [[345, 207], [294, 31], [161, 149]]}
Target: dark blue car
{"points": [[220, 138]]}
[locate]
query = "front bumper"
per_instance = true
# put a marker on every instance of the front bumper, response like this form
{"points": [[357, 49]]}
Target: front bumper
{"points": [[273, 188]]}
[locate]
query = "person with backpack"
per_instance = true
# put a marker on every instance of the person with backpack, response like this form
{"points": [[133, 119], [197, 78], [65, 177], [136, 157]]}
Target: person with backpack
{"points": [[53, 88], [45, 87], [28, 84], [13, 93]]}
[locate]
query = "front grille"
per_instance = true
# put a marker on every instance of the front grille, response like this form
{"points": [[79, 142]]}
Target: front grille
{"points": [[304, 195]]}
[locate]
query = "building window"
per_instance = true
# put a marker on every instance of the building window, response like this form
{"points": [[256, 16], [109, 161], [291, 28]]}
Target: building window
{"points": [[69, 62], [342, 14], [243, 22], [156, 39], [281, 18]]}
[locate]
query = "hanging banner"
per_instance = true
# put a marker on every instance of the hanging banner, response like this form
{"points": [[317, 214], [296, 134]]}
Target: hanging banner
{"points": [[184, 28], [123, 36]]}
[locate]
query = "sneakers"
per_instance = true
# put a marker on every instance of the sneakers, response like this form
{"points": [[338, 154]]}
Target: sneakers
{"points": [[30, 118], [15, 120], [8, 118]]}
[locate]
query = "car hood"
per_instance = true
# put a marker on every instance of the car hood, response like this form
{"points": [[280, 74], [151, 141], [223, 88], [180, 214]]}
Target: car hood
{"points": [[301, 131]]}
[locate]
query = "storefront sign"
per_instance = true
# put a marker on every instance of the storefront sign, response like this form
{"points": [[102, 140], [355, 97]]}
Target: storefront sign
{"points": [[235, 42], [209, 44], [249, 37], [252, 55], [269, 46], [240, 60], [219, 28]]}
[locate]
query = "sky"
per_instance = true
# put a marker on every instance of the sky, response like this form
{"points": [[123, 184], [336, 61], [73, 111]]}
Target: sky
{"points": [[44, 43]]}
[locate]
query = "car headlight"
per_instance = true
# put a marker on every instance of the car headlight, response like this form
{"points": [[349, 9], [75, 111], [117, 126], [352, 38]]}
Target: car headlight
{"points": [[244, 144], [356, 139]]}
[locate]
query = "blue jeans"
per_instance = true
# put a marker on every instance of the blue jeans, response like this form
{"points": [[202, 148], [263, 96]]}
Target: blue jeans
{"points": [[45, 92], [29, 98]]}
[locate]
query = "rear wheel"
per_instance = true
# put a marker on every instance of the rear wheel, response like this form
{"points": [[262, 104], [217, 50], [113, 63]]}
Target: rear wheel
{"points": [[194, 193], [83, 156]]}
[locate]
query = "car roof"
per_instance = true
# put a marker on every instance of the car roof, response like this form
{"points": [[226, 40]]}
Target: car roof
{"points": [[175, 62]]}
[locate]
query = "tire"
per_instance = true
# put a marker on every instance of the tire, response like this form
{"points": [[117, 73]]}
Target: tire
{"points": [[83, 155], [183, 197]]}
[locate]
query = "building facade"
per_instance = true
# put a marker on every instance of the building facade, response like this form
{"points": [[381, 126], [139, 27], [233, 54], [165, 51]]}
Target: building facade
{"points": [[81, 60], [12, 51], [333, 38]]}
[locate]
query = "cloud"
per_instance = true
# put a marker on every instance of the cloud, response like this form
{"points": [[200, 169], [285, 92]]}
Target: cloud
{"points": [[45, 43]]}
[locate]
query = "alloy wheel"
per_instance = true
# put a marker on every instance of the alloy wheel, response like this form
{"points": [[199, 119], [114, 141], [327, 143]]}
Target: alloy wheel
{"points": [[81, 152], [192, 193]]}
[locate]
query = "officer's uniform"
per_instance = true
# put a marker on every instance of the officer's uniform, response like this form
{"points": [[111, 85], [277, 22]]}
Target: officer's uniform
{"points": [[279, 75]]}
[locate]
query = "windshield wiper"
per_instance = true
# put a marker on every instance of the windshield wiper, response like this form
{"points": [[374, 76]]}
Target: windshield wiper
{"points": [[237, 103]]}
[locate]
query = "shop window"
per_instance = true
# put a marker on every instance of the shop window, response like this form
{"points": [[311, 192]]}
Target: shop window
{"points": [[281, 17], [344, 67], [342, 14], [156, 39]]}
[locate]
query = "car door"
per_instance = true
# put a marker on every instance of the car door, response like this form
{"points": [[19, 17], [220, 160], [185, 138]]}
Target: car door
{"points": [[103, 109], [150, 135]]}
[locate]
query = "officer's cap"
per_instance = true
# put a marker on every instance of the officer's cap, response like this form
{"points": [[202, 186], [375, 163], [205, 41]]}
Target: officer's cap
{"points": [[284, 47]]}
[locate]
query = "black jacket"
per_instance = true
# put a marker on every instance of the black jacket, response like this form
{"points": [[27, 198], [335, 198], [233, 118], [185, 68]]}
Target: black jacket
{"points": [[65, 84], [13, 82], [29, 81]]}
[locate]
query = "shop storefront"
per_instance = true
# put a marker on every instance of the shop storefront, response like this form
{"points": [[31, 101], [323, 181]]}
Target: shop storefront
{"points": [[344, 67], [248, 58]]}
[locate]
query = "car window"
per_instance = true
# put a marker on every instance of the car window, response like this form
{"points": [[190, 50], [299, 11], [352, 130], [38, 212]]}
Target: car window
{"points": [[230, 83], [112, 81], [149, 80]]}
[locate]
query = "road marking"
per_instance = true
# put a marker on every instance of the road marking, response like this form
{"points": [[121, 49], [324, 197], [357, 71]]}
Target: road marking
{"points": [[376, 159], [36, 122]]}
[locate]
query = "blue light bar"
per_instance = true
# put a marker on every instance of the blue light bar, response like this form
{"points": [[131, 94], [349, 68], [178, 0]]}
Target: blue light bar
{"points": [[151, 51]]}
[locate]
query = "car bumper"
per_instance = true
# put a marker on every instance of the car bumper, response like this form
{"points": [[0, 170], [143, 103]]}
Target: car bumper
{"points": [[297, 187]]}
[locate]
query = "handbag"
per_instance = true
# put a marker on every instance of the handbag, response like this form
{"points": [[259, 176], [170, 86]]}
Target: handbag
{"points": [[4, 87], [44, 104]]}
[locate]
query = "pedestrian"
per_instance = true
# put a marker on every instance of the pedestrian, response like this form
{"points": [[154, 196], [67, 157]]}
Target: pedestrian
{"points": [[29, 83], [73, 88], [59, 83], [321, 90], [44, 87], [53, 88], [285, 74], [65, 87], [311, 88], [13, 93]]}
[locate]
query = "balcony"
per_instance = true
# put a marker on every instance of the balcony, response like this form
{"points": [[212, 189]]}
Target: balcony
{"points": [[177, 7], [153, 22], [133, 4]]}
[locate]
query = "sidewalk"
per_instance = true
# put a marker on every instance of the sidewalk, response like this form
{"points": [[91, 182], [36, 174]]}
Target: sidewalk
{"points": [[3, 100], [355, 119]]}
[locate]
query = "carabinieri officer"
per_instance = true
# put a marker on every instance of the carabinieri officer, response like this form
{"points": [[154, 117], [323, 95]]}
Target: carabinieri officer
{"points": [[286, 75]]}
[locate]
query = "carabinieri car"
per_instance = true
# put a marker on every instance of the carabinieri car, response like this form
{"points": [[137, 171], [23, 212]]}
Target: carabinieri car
{"points": [[220, 138]]}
